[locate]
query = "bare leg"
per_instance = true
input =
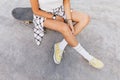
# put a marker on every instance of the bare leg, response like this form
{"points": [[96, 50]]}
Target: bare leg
{"points": [[81, 20], [70, 38], [62, 28]]}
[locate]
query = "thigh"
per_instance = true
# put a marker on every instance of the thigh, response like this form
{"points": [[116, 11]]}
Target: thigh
{"points": [[78, 16], [55, 25]]}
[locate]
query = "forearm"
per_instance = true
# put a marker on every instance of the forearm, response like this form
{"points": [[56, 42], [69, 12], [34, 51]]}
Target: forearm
{"points": [[67, 8], [48, 15], [43, 13]]}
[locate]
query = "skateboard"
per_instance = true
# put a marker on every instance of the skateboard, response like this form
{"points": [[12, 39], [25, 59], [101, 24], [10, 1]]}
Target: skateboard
{"points": [[23, 14]]}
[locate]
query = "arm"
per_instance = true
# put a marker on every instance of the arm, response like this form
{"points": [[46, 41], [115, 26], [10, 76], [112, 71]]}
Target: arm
{"points": [[37, 11], [66, 4], [67, 8]]}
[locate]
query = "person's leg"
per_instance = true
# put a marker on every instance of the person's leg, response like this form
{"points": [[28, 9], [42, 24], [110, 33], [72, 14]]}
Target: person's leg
{"points": [[82, 20], [65, 31]]}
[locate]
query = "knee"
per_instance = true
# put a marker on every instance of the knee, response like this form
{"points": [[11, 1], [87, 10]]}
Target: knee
{"points": [[64, 29], [86, 18]]}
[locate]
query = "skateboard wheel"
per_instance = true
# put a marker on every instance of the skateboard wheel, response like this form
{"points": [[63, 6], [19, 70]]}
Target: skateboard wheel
{"points": [[26, 22]]}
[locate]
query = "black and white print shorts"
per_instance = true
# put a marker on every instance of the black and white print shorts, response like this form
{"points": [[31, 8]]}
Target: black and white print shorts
{"points": [[38, 22]]}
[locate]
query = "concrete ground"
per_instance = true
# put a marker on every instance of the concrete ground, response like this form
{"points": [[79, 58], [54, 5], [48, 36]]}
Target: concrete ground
{"points": [[22, 59]]}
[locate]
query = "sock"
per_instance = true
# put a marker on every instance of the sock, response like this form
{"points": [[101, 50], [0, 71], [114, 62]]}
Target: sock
{"points": [[63, 44], [83, 52]]}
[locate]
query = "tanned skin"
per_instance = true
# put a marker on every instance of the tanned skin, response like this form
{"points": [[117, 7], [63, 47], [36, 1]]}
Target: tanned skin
{"points": [[66, 29]]}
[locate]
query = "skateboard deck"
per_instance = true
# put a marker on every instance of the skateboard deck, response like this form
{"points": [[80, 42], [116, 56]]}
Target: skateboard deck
{"points": [[23, 14]]}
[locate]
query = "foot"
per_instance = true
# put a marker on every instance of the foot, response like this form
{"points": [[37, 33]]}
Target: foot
{"points": [[96, 63], [57, 54]]}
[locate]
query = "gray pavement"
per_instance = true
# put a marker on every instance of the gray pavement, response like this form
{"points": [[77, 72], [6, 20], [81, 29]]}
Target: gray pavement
{"points": [[22, 59]]}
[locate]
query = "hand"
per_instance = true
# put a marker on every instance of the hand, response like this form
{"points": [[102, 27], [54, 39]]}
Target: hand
{"points": [[70, 25], [59, 18]]}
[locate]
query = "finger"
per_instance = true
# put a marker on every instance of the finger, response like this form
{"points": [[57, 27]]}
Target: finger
{"points": [[72, 29]]}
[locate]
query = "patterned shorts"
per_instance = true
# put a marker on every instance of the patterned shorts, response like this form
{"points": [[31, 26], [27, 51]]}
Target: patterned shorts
{"points": [[38, 22]]}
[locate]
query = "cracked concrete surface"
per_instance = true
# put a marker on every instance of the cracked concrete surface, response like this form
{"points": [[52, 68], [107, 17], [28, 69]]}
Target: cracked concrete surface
{"points": [[22, 59]]}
